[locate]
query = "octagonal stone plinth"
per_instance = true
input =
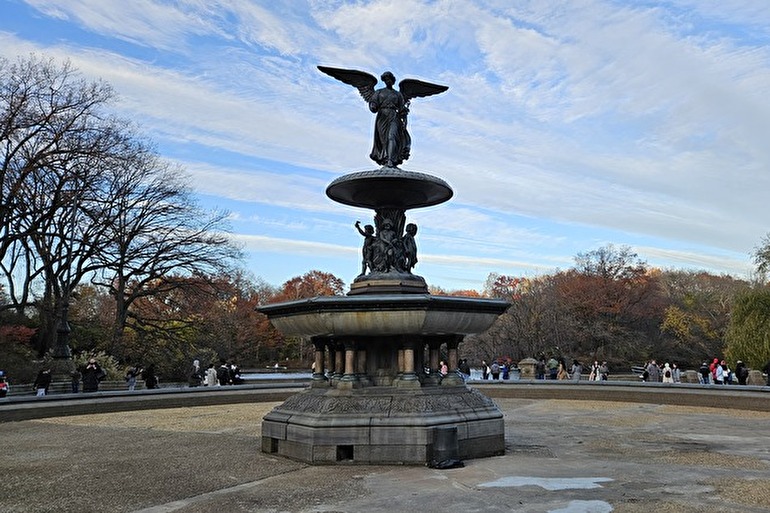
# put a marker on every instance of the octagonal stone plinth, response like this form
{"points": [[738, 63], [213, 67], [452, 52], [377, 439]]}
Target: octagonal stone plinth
{"points": [[382, 425]]}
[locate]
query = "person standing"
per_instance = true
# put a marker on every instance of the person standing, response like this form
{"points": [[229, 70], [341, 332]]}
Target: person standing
{"points": [[150, 378], [766, 370], [92, 376], [676, 373], [704, 374], [741, 372], [465, 369], [4, 387], [561, 372], [604, 371], [484, 370], [494, 369], [211, 376], [235, 374], [42, 381], [131, 376], [553, 368], [668, 375], [196, 375], [727, 375], [223, 374], [576, 370], [713, 368], [653, 372], [595, 374], [719, 374], [75, 378]]}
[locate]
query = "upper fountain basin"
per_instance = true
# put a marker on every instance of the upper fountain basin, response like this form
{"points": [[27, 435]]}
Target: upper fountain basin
{"points": [[389, 187]]}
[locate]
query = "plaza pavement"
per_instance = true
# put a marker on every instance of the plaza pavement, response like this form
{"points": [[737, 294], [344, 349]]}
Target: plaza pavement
{"points": [[562, 455]]}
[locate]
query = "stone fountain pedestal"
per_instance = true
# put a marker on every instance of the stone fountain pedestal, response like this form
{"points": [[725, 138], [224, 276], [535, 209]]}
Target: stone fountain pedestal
{"points": [[377, 396], [383, 425]]}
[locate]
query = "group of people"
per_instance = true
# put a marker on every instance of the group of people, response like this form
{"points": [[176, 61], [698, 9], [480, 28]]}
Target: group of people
{"points": [[93, 374], [710, 372], [225, 374], [497, 370], [656, 373], [718, 372], [556, 367], [148, 375]]}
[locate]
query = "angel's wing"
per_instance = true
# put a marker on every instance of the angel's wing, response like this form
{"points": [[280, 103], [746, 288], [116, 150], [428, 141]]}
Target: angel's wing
{"points": [[361, 80], [412, 88]]}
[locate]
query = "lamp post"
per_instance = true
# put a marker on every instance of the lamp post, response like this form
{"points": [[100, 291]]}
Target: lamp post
{"points": [[63, 366], [62, 349]]}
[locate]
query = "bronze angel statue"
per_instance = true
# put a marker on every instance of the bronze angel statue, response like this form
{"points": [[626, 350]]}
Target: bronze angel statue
{"points": [[392, 142]]}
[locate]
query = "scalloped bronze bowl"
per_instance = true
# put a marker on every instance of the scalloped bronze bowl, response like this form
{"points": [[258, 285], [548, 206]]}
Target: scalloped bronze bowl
{"points": [[389, 187]]}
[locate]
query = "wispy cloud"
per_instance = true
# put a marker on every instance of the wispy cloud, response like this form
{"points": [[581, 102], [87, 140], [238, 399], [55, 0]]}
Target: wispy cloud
{"points": [[565, 125]]}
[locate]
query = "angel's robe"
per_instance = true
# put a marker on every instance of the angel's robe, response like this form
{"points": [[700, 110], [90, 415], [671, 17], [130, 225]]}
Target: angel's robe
{"points": [[392, 142]]}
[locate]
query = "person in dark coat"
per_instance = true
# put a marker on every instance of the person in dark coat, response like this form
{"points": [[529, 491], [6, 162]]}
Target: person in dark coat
{"points": [[150, 379], [42, 382], [75, 378], [741, 372], [92, 375], [195, 379], [223, 374]]}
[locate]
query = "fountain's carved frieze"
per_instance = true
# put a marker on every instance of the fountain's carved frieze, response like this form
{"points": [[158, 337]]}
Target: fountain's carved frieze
{"points": [[398, 403], [375, 405]]}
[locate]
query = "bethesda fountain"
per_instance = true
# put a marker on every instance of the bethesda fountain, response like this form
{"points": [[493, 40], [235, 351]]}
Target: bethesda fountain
{"points": [[377, 395]]}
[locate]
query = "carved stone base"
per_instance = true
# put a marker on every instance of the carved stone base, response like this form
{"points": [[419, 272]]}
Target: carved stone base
{"points": [[382, 425], [388, 283]]}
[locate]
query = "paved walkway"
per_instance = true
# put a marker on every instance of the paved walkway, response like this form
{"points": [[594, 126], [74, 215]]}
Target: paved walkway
{"points": [[562, 456]]}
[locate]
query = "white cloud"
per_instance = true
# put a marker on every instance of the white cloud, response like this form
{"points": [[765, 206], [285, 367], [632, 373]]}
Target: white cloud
{"points": [[639, 122]]}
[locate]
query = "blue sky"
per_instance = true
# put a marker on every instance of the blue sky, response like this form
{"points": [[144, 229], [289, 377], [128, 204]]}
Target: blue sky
{"points": [[568, 125]]}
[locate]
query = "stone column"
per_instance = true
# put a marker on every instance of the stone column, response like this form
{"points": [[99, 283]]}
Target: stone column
{"points": [[319, 378], [434, 354], [349, 379], [330, 346], [339, 362], [409, 378], [453, 378], [361, 375]]}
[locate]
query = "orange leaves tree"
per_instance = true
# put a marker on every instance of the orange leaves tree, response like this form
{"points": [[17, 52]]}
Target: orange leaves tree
{"points": [[297, 350], [605, 307]]}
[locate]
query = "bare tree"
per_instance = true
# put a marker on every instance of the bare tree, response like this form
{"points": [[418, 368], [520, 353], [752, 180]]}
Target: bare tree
{"points": [[156, 231], [81, 196], [53, 135], [48, 117]]}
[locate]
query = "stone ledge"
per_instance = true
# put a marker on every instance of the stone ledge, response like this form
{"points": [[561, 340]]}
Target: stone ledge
{"points": [[26, 408], [706, 396]]}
